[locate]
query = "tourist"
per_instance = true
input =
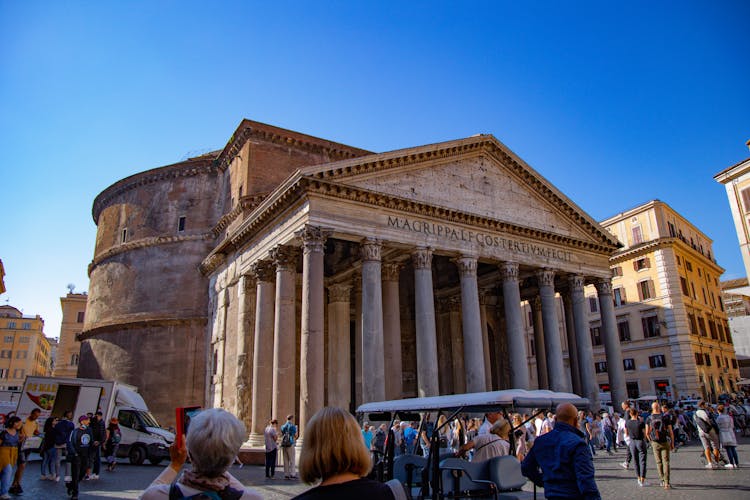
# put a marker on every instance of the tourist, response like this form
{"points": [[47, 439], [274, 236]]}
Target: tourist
{"points": [[112, 438], [659, 433], [10, 442], [560, 460], [213, 441], [78, 445], [339, 465], [50, 466], [289, 435], [708, 434], [727, 435], [635, 438], [271, 437], [30, 428]]}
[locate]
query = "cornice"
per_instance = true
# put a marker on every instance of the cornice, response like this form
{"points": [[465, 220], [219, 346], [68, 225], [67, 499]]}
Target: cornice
{"points": [[657, 244], [282, 137], [184, 169], [144, 243]]}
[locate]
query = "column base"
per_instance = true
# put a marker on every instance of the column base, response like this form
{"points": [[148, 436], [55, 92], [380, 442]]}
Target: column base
{"points": [[255, 441]]}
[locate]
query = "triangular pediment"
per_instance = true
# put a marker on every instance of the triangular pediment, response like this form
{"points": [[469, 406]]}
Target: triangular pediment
{"points": [[478, 176]]}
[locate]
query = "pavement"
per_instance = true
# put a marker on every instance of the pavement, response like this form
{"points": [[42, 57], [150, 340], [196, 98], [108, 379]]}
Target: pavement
{"points": [[690, 480]]}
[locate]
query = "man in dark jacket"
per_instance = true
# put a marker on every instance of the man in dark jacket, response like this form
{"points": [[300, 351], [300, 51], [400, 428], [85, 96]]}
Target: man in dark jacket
{"points": [[560, 461]]}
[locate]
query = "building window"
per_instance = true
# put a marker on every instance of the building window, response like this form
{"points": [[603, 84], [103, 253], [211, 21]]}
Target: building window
{"points": [[633, 391], [11, 325], [81, 314], [628, 364], [596, 336], [646, 290], [181, 224], [684, 285], [702, 326], [657, 361], [637, 235], [9, 339], [706, 359], [593, 305], [641, 264], [698, 359], [617, 271], [600, 366], [74, 360], [623, 328], [124, 235], [6, 353], [650, 327], [619, 296]]}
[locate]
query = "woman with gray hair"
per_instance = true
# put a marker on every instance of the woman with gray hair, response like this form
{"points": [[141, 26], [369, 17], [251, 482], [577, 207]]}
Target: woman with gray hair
{"points": [[213, 441]]}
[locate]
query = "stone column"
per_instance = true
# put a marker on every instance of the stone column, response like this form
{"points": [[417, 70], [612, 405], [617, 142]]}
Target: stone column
{"points": [[245, 340], [516, 333], [552, 342], [262, 402], [339, 347], [285, 342], [589, 387], [392, 331], [424, 311], [373, 365], [539, 333], [612, 348], [472, 326], [457, 345], [484, 296], [570, 332], [312, 344]]}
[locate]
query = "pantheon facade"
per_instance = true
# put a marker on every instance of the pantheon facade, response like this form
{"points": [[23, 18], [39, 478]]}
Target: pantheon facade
{"points": [[289, 272]]}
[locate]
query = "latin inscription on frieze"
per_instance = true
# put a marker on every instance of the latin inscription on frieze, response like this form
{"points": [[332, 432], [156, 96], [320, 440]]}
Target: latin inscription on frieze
{"points": [[484, 239]]}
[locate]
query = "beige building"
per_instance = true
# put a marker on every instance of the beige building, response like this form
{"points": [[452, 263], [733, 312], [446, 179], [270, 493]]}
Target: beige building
{"points": [[24, 350], [671, 320], [69, 347]]}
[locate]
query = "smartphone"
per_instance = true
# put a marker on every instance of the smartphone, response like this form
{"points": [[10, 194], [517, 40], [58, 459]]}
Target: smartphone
{"points": [[184, 415]]}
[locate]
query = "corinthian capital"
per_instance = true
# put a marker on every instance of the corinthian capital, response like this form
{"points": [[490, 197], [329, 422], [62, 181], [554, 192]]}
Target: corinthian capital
{"points": [[263, 270], [603, 287], [285, 257], [370, 248], [313, 238], [467, 266], [546, 277], [509, 271], [422, 258]]}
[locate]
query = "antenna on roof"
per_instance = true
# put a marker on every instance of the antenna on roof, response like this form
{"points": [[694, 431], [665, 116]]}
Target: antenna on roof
{"points": [[70, 287]]}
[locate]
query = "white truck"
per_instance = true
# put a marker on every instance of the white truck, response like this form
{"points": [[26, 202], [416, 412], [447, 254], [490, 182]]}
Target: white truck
{"points": [[142, 437]]}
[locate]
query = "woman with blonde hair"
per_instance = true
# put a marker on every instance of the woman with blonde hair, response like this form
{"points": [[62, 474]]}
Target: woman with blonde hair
{"points": [[334, 454]]}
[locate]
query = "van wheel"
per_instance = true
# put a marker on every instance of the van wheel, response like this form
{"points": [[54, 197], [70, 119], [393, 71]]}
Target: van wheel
{"points": [[154, 460], [137, 455]]}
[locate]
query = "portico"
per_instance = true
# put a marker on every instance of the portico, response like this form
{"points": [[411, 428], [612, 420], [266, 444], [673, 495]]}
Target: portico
{"points": [[444, 242]]}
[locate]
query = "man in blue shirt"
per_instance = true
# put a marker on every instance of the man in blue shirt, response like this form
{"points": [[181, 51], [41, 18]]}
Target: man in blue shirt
{"points": [[560, 460]]}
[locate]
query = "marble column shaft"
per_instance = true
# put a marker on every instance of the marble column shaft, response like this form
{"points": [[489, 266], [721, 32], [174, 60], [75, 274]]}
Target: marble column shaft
{"points": [[552, 341], [589, 387], [612, 348], [312, 355], [285, 341], [570, 335], [392, 331], [262, 402], [373, 364], [339, 346], [516, 333], [539, 333], [424, 307], [472, 327]]}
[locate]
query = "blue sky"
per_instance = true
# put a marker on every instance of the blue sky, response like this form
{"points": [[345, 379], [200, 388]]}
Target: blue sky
{"points": [[615, 103]]}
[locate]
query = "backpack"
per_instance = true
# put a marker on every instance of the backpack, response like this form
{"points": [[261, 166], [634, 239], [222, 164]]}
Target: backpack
{"points": [[286, 436], [657, 430]]}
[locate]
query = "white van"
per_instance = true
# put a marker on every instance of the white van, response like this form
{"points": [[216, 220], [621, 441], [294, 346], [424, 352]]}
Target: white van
{"points": [[142, 437]]}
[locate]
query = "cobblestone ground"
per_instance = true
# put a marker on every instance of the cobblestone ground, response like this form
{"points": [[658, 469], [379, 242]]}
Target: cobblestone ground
{"points": [[690, 480]]}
